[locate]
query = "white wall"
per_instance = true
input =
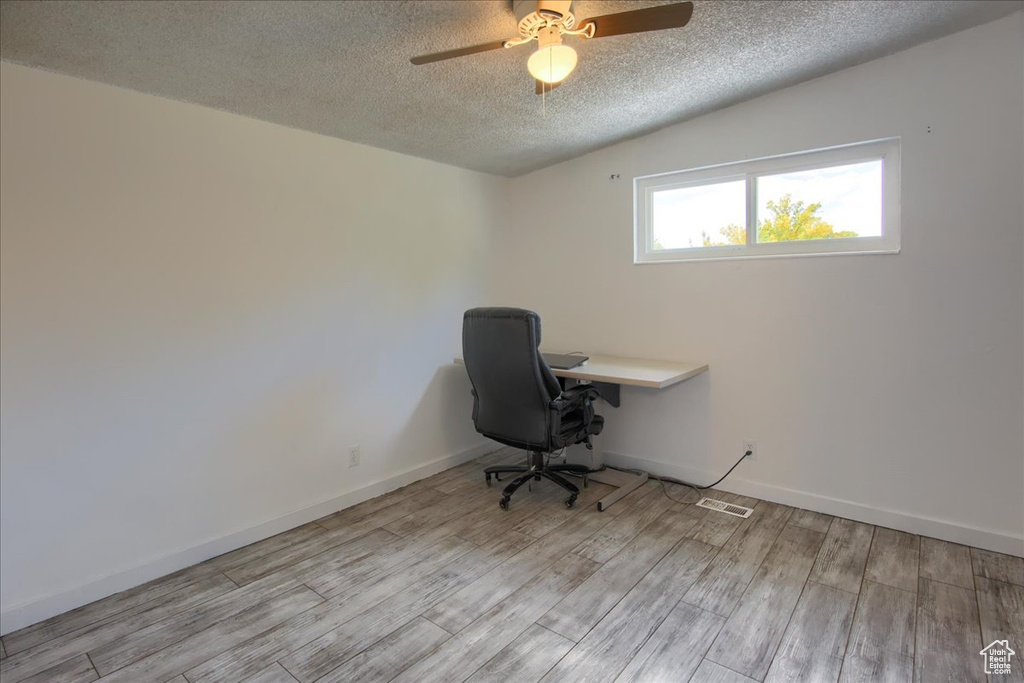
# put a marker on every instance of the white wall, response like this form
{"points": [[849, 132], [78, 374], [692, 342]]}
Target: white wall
{"points": [[201, 312], [885, 388]]}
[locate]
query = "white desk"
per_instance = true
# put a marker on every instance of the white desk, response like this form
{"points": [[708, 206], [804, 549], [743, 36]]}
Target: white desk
{"points": [[634, 372], [608, 373]]}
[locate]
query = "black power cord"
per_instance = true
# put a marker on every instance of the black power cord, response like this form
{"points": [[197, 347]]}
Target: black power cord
{"points": [[671, 480]]}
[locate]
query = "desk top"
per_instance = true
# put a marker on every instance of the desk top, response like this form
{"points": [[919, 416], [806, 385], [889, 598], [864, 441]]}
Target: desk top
{"points": [[635, 372]]}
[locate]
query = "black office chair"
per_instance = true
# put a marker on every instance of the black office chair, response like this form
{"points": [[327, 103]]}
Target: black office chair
{"points": [[518, 401]]}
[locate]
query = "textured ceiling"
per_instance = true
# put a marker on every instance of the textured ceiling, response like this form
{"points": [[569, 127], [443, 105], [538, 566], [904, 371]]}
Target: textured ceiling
{"points": [[342, 68]]}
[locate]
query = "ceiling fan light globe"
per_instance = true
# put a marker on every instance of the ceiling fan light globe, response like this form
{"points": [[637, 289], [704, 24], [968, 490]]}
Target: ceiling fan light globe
{"points": [[552, 64]]}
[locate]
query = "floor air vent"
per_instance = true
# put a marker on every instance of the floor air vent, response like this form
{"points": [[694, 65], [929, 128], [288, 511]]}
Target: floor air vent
{"points": [[727, 508]]}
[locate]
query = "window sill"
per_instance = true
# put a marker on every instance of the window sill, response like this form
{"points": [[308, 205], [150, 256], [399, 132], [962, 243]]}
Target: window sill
{"points": [[750, 257]]}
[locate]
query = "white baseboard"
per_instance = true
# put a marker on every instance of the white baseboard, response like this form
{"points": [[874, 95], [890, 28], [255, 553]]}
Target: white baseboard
{"points": [[25, 614], [893, 519]]}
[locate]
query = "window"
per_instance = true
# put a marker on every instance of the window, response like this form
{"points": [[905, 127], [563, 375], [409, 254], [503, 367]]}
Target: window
{"points": [[841, 200]]}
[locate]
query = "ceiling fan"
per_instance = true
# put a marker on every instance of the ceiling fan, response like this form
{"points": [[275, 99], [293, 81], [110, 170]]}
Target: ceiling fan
{"points": [[547, 21]]}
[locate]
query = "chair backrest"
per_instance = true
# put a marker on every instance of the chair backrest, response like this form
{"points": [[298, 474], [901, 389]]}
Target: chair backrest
{"points": [[512, 384]]}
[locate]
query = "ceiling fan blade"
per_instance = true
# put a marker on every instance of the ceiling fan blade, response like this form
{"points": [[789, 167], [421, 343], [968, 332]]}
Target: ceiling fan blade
{"points": [[461, 52], [640, 20], [542, 86]]}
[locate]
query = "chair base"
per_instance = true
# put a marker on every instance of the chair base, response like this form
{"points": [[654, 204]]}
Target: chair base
{"points": [[537, 470]]}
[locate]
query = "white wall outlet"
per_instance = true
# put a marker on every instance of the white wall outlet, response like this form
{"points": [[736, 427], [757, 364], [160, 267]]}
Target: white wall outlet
{"points": [[750, 445], [353, 456]]}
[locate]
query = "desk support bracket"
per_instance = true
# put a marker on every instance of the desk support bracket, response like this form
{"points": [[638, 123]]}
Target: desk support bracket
{"points": [[609, 392]]}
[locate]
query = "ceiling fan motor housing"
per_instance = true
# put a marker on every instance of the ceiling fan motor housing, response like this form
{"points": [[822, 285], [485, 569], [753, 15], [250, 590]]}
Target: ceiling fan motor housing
{"points": [[531, 14]]}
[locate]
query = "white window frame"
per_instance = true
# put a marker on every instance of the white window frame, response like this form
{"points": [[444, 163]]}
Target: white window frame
{"points": [[887, 150]]}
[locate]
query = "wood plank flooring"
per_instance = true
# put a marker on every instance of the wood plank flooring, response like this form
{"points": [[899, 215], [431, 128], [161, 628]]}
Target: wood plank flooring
{"points": [[433, 582]]}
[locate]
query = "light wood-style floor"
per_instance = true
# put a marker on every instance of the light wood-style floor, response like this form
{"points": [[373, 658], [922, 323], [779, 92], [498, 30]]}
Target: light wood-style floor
{"points": [[434, 582]]}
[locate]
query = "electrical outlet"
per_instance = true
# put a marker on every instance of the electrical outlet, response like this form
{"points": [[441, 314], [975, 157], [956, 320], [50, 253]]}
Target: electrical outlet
{"points": [[353, 456], [750, 445]]}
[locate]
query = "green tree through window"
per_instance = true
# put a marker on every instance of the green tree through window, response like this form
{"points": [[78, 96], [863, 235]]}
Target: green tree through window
{"points": [[791, 221]]}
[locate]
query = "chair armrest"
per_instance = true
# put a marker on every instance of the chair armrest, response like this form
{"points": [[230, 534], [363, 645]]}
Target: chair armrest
{"points": [[575, 397], [573, 407]]}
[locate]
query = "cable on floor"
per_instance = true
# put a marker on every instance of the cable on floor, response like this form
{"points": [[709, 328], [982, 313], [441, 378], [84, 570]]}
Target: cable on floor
{"points": [[671, 480]]}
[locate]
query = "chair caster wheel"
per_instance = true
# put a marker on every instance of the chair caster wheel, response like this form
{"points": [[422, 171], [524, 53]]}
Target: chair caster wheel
{"points": [[488, 480], [503, 503], [570, 501]]}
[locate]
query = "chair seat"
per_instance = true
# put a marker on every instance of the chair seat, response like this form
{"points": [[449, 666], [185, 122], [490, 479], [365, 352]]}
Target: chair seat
{"points": [[573, 425]]}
